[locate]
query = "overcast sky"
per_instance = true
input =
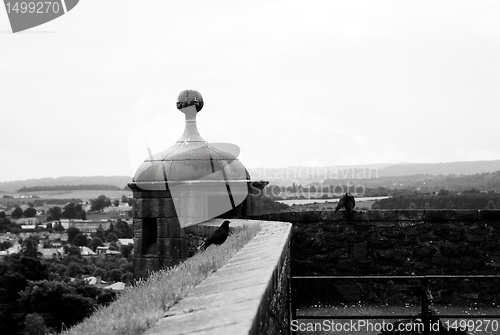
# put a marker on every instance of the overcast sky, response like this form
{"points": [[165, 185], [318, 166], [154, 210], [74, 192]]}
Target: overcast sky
{"points": [[291, 83]]}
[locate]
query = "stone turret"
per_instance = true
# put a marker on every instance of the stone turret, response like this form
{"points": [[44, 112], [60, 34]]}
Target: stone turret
{"points": [[186, 184]]}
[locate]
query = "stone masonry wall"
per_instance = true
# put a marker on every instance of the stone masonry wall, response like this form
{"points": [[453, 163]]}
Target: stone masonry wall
{"points": [[274, 316], [395, 242], [158, 238]]}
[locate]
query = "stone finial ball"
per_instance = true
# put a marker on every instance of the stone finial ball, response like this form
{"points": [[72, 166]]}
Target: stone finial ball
{"points": [[190, 98]]}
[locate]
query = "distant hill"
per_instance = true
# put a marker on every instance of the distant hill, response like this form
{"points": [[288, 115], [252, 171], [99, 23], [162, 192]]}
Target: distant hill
{"points": [[14, 186], [306, 175], [457, 168], [286, 176]]}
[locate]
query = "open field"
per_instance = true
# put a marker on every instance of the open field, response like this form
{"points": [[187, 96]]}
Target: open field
{"points": [[365, 326]]}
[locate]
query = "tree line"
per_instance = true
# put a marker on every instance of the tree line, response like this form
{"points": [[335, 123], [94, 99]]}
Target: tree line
{"points": [[25, 189], [34, 288], [444, 199]]}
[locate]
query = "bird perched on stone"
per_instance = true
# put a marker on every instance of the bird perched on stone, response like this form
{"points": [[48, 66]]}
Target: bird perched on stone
{"points": [[218, 237], [346, 201]]}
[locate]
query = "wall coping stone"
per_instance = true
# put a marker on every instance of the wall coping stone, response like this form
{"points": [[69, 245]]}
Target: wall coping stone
{"points": [[230, 300]]}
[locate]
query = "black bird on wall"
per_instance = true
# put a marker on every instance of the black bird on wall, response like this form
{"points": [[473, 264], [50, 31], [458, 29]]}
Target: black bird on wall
{"points": [[218, 237], [346, 201]]}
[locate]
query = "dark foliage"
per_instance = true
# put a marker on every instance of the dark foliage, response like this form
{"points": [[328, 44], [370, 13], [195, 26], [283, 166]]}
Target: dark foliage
{"points": [[17, 213], [32, 289], [30, 212], [59, 302], [81, 240], [73, 211], [55, 212], [123, 230], [100, 203], [443, 200], [270, 206], [30, 247], [7, 226], [72, 233], [15, 272]]}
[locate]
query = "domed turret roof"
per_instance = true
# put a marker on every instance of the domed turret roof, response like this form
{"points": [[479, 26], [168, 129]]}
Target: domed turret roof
{"points": [[192, 158]]}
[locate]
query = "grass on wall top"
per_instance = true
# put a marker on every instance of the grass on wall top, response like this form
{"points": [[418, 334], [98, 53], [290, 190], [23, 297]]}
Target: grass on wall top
{"points": [[141, 306]]}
